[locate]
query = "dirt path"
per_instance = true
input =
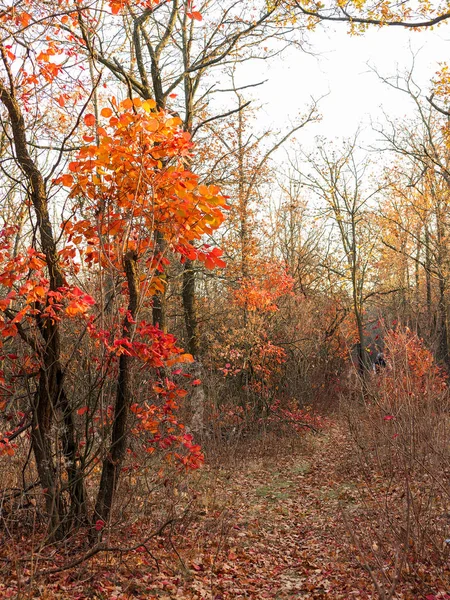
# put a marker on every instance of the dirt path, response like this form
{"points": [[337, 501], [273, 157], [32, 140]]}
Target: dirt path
{"points": [[288, 539]]}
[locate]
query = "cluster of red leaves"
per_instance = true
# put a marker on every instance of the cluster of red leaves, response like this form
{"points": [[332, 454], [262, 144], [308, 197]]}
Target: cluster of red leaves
{"points": [[163, 431], [6, 446], [153, 347], [157, 426], [23, 274]]}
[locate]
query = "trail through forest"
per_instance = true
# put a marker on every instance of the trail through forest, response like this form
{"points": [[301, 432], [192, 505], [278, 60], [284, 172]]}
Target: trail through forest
{"points": [[267, 526], [289, 539]]}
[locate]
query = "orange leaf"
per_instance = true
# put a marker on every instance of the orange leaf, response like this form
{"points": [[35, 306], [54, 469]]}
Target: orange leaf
{"points": [[148, 105], [9, 330], [152, 125], [67, 180], [25, 19], [220, 263], [127, 103], [89, 119], [106, 112]]}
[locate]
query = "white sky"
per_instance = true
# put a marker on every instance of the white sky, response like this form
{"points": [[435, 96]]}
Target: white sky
{"points": [[341, 68]]}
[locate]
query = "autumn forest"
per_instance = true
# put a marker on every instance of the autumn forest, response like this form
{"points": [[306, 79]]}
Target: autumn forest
{"points": [[224, 349]]}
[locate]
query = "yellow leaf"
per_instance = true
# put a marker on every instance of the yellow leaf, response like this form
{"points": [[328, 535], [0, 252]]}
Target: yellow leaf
{"points": [[148, 105]]}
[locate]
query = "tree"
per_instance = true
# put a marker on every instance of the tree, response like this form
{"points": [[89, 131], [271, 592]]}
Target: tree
{"points": [[340, 181], [418, 211], [127, 182]]}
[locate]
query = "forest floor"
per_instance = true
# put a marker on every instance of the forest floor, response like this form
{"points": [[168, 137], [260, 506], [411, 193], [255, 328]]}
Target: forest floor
{"points": [[268, 525]]}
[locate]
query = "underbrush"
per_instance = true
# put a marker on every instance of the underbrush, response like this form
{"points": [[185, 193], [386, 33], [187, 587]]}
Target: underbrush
{"points": [[401, 439], [164, 519], [235, 434]]}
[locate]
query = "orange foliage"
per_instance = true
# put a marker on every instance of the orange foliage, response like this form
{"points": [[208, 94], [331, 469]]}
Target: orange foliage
{"points": [[135, 182], [261, 292], [411, 375], [131, 184]]}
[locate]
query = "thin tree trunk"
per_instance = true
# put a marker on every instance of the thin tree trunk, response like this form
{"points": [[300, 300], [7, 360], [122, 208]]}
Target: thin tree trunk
{"points": [[112, 463], [444, 353], [428, 280], [190, 309], [198, 396], [159, 299]]}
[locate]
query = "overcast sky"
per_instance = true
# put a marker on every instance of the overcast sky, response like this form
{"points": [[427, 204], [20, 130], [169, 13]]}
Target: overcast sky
{"points": [[340, 68]]}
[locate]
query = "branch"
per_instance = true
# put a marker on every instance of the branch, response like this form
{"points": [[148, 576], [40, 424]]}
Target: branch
{"points": [[21, 429], [23, 334], [368, 21], [215, 118], [242, 87], [385, 293], [436, 107]]}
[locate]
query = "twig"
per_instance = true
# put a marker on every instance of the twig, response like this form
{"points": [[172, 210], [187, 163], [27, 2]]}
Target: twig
{"points": [[102, 547]]}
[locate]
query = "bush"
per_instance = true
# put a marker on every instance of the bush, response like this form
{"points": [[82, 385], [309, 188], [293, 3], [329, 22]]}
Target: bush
{"points": [[402, 437]]}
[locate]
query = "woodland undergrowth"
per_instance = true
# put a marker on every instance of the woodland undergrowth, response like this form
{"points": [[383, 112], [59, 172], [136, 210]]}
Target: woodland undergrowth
{"points": [[355, 505]]}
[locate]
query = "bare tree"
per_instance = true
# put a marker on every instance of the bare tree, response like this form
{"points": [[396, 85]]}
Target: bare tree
{"points": [[339, 179]]}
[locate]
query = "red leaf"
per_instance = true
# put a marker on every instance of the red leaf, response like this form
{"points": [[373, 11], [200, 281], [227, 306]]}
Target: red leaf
{"points": [[82, 410], [89, 120], [67, 180], [99, 525]]}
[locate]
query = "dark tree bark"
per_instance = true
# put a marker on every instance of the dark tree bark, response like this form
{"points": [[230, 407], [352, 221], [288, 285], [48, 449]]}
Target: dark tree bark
{"points": [[50, 394], [190, 311], [112, 463], [159, 312]]}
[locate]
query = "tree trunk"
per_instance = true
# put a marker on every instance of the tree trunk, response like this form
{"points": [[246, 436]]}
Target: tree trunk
{"points": [[198, 396], [159, 299], [190, 309], [444, 353], [112, 463], [50, 394], [428, 281]]}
